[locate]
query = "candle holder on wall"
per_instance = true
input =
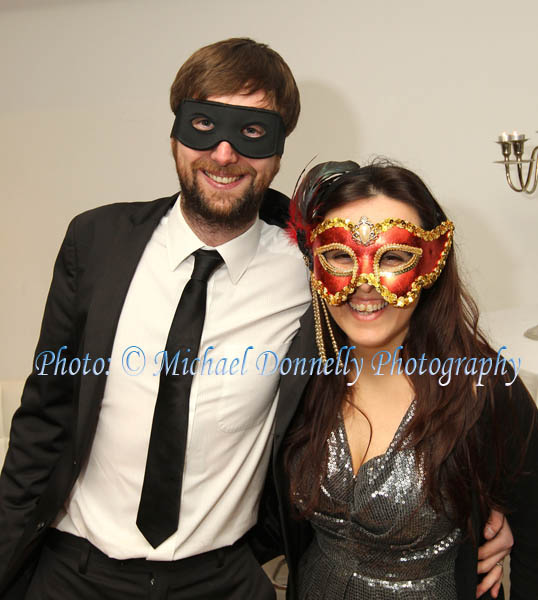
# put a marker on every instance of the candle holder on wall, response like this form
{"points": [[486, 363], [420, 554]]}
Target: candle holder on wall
{"points": [[532, 333], [515, 142]]}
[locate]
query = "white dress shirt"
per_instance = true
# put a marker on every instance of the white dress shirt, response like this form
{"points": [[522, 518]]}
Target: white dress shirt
{"points": [[255, 299]]}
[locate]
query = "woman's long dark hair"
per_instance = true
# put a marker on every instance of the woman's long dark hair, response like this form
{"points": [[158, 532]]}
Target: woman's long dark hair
{"points": [[446, 429]]}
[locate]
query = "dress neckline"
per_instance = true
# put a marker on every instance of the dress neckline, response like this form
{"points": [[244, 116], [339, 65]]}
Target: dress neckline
{"points": [[390, 448]]}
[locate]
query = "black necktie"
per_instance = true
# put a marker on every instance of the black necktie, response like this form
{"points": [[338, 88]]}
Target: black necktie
{"points": [[158, 511]]}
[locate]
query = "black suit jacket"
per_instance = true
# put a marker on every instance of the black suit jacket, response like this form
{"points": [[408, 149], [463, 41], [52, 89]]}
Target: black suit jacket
{"points": [[277, 532], [53, 429]]}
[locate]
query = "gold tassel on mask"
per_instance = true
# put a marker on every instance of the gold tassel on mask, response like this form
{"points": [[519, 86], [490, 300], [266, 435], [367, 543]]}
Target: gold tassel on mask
{"points": [[316, 301], [317, 324]]}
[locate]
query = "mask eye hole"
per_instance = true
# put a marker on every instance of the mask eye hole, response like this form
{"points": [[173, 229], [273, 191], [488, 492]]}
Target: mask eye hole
{"points": [[253, 131], [202, 124], [337, 259], [397, 259]]}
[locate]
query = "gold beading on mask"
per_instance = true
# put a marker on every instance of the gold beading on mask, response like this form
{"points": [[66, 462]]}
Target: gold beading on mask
{"points": [[317, 322], [378, 228], [416, 253], [422, 281], [318, 326], [319, 252]]}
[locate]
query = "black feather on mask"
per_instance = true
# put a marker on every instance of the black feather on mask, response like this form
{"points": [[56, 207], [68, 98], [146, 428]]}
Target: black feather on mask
{"points": [[309, 195]]}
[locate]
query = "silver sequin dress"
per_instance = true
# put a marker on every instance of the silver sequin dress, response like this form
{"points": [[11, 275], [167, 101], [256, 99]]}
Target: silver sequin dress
{"points": [[374, 537]]}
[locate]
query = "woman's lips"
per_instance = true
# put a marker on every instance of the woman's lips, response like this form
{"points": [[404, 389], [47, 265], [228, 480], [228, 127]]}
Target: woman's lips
{"points": [[367, 311]]}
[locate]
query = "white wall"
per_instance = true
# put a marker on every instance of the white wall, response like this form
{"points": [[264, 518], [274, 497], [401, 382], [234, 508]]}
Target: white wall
{"points": [[84, 118]]}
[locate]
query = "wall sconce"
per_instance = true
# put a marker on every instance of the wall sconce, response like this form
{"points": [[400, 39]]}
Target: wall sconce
{"points": [[515, 142]]}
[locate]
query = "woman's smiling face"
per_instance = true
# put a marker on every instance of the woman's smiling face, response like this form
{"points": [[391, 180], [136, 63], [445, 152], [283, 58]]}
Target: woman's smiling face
{"points": [[367, 320]]}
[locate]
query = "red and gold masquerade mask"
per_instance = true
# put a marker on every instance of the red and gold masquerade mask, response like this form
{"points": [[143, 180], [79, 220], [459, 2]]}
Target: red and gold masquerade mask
{"points": [[398, 258]]}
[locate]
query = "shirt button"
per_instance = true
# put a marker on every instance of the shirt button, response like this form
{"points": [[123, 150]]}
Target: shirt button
{"points": [[40, 525]]}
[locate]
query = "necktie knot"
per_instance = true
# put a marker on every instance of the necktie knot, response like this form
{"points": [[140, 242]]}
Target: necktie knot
{"points": [[205, 262]]}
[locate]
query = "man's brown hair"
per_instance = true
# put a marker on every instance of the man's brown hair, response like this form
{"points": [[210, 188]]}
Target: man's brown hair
{"points": [[238, 65]]}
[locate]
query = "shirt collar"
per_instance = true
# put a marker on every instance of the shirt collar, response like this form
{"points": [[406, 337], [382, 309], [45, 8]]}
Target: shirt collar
{"points": [[181, 242]]}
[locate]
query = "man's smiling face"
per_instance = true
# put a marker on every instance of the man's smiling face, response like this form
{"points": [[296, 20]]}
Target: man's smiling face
{"points": [[219, 185]]}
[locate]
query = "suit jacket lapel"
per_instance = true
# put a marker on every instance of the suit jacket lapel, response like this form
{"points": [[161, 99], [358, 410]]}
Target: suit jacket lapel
{"points": [[292, 386], [131, 238]]}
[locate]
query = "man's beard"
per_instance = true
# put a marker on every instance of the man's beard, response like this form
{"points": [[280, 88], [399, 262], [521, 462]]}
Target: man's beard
{"points": [[234, 213]]}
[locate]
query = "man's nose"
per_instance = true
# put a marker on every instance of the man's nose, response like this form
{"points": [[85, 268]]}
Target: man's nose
{"points": [[223, 154]]}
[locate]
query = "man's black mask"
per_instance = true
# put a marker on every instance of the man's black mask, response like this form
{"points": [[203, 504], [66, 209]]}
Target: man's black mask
{"points": [[253, 132]]}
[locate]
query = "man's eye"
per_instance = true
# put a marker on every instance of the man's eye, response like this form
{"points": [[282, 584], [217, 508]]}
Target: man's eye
{"points": [[202, 124], [253, 131]]}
